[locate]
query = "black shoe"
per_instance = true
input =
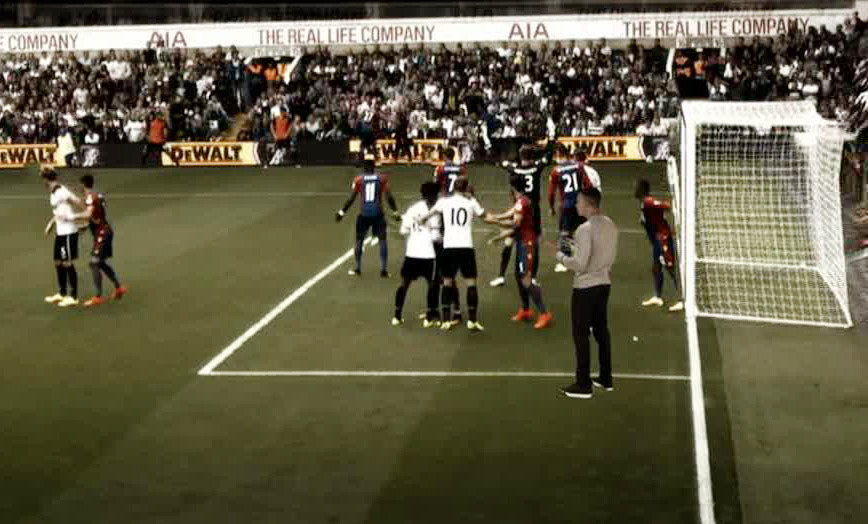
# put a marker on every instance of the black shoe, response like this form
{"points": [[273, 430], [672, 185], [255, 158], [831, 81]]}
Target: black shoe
{"points": [[574, 390], [385, 274], [600, 384]]}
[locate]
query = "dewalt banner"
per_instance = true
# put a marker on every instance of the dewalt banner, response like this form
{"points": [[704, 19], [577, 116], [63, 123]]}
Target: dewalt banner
{"points": [[20, 155], [210, 154], [605, 147], [422, 151]]}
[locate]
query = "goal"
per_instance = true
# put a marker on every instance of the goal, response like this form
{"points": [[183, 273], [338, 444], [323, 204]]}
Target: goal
{"points": [[759, 213]]}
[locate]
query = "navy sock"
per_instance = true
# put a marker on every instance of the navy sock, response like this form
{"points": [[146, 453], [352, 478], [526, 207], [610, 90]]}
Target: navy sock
{"points": [[456, 303], [358, 251], [446, 303], [658, 281], [72, 275], [522, 293], [110, 273], [472, 302], [97, 278], [400, 296], [504, 259], [61, 279], [674, 276], [536, 293], [433, 292], [384, 254]]}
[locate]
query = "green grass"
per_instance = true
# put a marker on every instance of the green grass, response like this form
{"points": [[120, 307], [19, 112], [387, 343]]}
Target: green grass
{"points": [[104, 419]]}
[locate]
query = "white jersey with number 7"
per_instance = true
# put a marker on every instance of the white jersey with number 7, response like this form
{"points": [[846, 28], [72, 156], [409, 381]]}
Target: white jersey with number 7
{"points": [[458, 212]]}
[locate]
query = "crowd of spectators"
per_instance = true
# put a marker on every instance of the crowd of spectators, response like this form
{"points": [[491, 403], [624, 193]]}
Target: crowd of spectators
{"points": [[109, 96], [562, 89]]}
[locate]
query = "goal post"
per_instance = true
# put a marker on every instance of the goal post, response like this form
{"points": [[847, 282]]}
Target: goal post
{"points": [[758, 208]]}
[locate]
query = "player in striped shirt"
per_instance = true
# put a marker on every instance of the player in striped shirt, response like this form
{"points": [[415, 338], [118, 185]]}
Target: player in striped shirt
{"points": [[662, 243], [447, 174], [521, 226], [419, 261], [103, 240], [373, 187], [569, 178], [530, 170]]}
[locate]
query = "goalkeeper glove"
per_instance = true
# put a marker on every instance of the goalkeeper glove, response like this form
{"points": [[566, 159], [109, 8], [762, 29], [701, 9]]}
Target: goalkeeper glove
{"points": [[339, 215], [565, 246]]}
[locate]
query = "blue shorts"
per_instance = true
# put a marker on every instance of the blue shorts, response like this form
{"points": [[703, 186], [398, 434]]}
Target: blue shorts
{"points": [[664, 255], [525, 257]]}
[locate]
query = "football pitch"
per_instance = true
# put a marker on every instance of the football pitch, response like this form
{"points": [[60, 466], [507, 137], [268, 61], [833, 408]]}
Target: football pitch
{"points": [[247, 378]]}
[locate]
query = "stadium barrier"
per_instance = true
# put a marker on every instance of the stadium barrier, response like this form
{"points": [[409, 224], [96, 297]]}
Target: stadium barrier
{"points": [[426, 151], [314, 152]]}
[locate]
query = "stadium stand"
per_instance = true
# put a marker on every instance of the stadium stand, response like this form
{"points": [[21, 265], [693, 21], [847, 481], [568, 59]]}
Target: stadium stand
{"points": [[471, 93]]}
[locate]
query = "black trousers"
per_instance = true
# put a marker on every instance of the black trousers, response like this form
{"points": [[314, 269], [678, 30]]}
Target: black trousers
{"points": [[589, 311]]}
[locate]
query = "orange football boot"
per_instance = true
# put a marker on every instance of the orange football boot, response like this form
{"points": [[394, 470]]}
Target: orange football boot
{"points": [[95, 301], [543, 321], [523, 314], [119, 292]]}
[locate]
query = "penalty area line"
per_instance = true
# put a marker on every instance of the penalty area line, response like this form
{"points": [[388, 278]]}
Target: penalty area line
{"points": [[209, 368], [528, 374]]}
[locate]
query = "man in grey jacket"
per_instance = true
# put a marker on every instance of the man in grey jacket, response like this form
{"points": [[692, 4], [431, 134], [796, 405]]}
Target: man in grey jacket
{"points": [[591, 258]]}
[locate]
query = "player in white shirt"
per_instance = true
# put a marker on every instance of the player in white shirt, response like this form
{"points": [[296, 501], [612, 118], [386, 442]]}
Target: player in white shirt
{"points": [[419, 261], [458, 211], [63, 204]]}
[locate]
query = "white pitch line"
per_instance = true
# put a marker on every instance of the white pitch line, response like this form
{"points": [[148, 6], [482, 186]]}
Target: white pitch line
{"points": [[530, 374], [700, 431], [271, 315]]}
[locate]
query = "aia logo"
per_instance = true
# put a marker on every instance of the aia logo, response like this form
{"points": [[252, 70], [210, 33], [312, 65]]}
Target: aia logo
{"points": [[167, 39], [528, 31]]}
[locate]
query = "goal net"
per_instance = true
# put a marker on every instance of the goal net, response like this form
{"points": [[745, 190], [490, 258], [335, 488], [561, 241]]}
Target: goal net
{"points": [[760, 213]]}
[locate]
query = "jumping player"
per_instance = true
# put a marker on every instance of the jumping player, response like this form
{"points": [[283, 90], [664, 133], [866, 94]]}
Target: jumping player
{"points": [[530, 171], [103, 237], [420, 256], [372, 186], [662, 243], [519, 220], [63, 204], [569, 178], [458, 211]]}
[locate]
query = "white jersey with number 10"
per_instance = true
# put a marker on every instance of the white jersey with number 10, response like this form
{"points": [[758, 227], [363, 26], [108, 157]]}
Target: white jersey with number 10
{"points": [[458, 212]]}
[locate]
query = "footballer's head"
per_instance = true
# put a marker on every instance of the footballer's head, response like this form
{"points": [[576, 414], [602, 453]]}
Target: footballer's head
{"points": [[581, 155], [525, 154], [48, 175], [369, 165], [461, 185], [643, 188], [87, 181], [449, 154], [429, 191], [562, 151]]}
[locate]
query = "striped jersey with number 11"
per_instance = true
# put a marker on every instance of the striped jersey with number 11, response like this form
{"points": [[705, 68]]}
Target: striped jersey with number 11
{"points": [[371, 187]]}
